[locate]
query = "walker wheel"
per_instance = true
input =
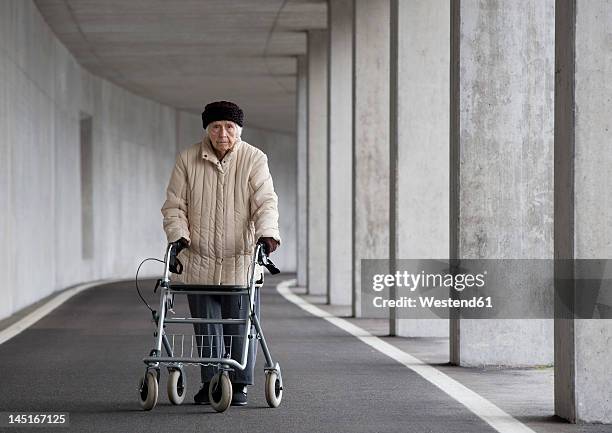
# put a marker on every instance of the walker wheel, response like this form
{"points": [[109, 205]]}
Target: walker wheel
{"points": [[274, 389], [148, 390], [176, 386], [220, 392]]}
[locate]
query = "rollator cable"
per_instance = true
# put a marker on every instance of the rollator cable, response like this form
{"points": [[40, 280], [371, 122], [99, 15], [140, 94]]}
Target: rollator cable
{"points": [[138, 288]]}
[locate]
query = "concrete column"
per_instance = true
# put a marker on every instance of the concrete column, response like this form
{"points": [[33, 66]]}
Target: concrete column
{"points": [[583, 210], [370, 137], [420, 57], [302, 170], [317, 162], [501, 168], [340, 135]]}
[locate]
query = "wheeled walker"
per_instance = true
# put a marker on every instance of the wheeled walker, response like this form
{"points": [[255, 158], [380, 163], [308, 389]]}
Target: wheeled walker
{"points": [[184, 349]]}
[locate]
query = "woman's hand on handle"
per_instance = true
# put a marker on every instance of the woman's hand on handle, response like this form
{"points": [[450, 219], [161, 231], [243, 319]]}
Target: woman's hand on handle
{"points": [[270, 244], [180, 245]]}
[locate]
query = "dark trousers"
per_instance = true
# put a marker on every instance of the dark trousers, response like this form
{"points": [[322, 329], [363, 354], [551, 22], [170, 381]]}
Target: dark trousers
{"points": [[214, 340]]}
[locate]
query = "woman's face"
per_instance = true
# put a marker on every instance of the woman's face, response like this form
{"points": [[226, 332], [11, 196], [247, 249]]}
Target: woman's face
{"points": [[223, 135]]}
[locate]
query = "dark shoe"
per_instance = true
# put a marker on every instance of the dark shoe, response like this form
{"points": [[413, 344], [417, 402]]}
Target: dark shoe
{"points": [[239, 396], [202, 396]]}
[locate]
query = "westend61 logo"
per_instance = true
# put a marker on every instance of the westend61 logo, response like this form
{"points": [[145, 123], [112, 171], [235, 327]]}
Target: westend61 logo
{"points": [[422, 280]]}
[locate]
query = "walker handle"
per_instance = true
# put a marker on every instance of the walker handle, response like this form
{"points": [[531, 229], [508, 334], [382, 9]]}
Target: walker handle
{"points": [[264, 260], [174, 264]]}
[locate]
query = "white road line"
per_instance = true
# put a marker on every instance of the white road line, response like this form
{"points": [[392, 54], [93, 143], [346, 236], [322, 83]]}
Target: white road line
{"points": [[480, 406], [43, 310]]}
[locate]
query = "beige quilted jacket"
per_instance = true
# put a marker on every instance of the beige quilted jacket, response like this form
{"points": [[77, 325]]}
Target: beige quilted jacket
{"points": [[221, 208]]}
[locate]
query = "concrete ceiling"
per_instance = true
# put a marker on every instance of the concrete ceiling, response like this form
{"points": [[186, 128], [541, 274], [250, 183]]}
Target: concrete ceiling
{"points": [[186, 53]]}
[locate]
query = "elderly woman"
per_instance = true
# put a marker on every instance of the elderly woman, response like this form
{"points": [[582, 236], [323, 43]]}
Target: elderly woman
{"points": [[219, 200]]}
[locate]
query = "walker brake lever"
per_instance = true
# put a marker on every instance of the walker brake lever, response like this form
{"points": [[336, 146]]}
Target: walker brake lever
{"points": [[176, 267], [265, 260], [271, 267]]}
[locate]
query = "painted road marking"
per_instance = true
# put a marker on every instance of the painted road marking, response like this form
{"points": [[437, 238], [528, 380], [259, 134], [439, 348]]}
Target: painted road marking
{"points": [[480, 406], [33, 317]]}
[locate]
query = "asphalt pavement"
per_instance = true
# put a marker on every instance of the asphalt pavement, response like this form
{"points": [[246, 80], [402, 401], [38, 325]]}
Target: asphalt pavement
{"points": [[85, 358]]}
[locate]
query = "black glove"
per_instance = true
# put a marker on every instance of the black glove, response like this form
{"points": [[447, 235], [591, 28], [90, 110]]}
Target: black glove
{"points": [[175, 266], [270, 244], [179, 245]]}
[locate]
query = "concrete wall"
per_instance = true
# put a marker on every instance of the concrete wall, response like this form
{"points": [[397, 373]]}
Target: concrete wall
{"points": [[43, 93], [189, 129]]}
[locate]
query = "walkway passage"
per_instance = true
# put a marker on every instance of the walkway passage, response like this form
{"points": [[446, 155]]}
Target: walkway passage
{"points": [[85, 358]]}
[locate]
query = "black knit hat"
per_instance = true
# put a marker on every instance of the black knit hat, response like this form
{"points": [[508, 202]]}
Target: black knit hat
{"points": [[222, 110]]}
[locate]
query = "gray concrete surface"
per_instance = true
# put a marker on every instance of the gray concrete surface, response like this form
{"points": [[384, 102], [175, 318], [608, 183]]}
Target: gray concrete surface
{"points": [[420, 135], [317, 161], [44, 90], [188, 128], [340, 136], [281, 150], [302, 171], [565, 40], [333, 382], [371, 52], [505, 190], [583, 349], [183, 53], [593, 204]]}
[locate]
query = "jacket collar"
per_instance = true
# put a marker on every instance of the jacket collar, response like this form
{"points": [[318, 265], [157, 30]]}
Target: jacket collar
{"points": [[207, 152]]}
